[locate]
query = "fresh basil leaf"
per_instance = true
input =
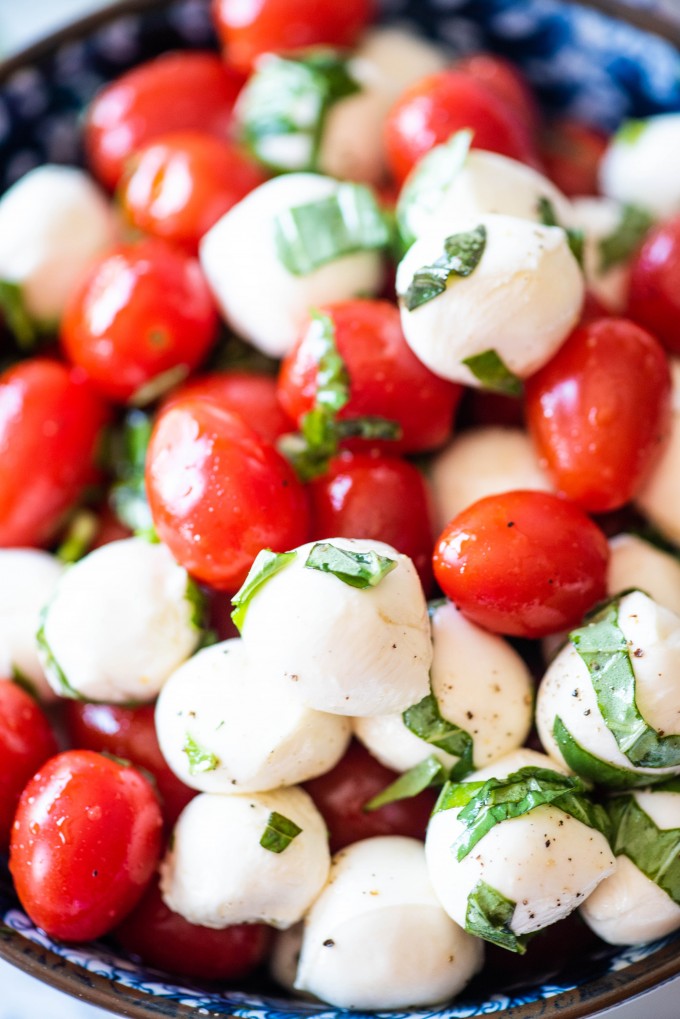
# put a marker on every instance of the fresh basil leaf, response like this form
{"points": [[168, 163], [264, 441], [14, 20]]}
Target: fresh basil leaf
{"points": [[462, 254], [425, 721], [493, 374], [79, 537], [575, 238], [23, 328], [489, 915], [602, 647], [27, 685], [455, 795], [198, 603], [265, 566], [427, 185], [624, 241], [591, 768], [630, 131], [357, 569], [375, 429], [427, 773], [200, 759], [332, 377], [312, 235], [279, 833], [50, 663], [128, 460], [654, 851]]}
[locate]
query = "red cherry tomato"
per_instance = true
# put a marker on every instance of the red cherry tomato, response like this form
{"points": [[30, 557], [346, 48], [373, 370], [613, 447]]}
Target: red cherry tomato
{"points": [[342, 793], [505, 81], [26, 742], [174, 92], [129, 733], [219, 494], [248, 29], [178, 186], [571, 152], [85, 843], [50, 425], [142, 310], [386, 378], [429, 112], [366, 495], [654, 294], [483, 407], [525, 564], [599, 412], [167, 941]]}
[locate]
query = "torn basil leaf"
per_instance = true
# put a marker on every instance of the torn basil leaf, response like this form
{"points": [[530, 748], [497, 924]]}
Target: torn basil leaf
{"points": [[312, 235], [27, 685], [128, 461], [488, 916], [21, 325], [357, 569], [50, 663], [630, 131], [624, 241], [279, 833], [197, 600], [575, 238], [424, 720], [429, 772], [332, 378], [462, 254], [265, 566], [321, 433], [79, 537], [200, 759], [427, 185], [493, 374], [654, 851], [591, 768]]}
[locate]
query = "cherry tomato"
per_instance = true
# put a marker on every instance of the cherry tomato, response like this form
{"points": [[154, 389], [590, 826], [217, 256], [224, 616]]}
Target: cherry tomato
{"points": [[366, 495], [386, 379], [174, 92], [219, 494], [571, 152], [85, 843], [50, 425], [129, 733], [599, 412], [429, 112], [26, 742], [167, 941], [342, 793], [483, 407], [505, 81], [654, 294], [248, 29], [178, 186], [525, 564], [142, 311]]}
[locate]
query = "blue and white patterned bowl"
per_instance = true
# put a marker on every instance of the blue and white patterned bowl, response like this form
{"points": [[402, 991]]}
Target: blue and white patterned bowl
{"points": [[581, 63]]}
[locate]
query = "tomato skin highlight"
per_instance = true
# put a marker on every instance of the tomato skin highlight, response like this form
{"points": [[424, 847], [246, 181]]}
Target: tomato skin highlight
{"points": [[600, 411], [86, 841], [525, 564], [654, 294]]}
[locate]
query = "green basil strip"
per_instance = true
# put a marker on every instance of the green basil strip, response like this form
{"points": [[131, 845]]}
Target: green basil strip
{"points": [[425, 720], [493, 374], [52, 665], [427, 773], [128, 460], [575, 238], [279, 833], [623, 242], [198, 603], [462, 254], [332, 377], [602, 647], [426, 187], [489, 915], [265, 566], [79, 537], [591, 768], [630, 131], [321, 434], [312, 235], [357, 569], [654, 851], [23, 328], [200, 759], [26, 684]]}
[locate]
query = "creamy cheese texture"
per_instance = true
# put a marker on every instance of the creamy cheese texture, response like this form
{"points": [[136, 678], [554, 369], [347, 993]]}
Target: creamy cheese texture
{"points": [[634, 562], [642, 165]]}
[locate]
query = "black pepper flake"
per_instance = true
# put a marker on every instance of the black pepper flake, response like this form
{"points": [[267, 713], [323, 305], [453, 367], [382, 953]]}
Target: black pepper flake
{"points": [[638, 652], [547, 843], [329, 943], [511, 523]]}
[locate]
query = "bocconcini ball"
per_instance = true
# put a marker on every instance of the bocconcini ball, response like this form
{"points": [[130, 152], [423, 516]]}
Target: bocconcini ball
{"points": [[642, 165], [635, 562]]}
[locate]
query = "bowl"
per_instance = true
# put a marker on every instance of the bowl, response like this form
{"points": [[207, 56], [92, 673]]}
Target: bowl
{"points": [[582, 64]]}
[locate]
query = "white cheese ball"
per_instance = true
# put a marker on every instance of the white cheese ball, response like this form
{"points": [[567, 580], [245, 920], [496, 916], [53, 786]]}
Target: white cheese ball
{"points": [[376, 937], [566, 691], [659, 497], [258, 296], [521, 300], [599, 218], [251, 733], [120, 622], [642, 165], [217, 874], [480, 684], [545, 861], [340, 648], [634, 562], [53, 223], [480, 462], [29, 578]]}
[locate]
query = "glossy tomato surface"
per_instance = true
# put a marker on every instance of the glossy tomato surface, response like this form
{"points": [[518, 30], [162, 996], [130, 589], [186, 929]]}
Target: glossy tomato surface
{"points": [[654, 294]]}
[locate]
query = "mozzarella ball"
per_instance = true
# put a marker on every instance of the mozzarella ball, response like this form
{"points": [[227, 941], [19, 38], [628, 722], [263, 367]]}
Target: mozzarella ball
{"points": [[642, 165], [217, 874], [566, 691], [480, 684], [120, 621], [53, 223], [546, 862], [225, 727], [379, 894], [659, 498], [521, 300], [634, 562], [29, 578], [342, 649], [599, 218], [258, 296], [480, 462]]}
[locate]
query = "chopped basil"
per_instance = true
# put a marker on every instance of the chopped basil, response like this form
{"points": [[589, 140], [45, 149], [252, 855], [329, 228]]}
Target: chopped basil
{"points": [[654, 851], [489, 915], [200, 759], [427, 185], [279, 833], [493, 374], [79, 537], [591, 768], [128, 460], [424, 720], [630, 131], [27, 685], [575, 238], [198, 604], [624, 241], [309, 236], [602, 647], [265, 566], [462, 254], [332, 378], [50, 663], [23, 328], [427, 773], [357, 569]]}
